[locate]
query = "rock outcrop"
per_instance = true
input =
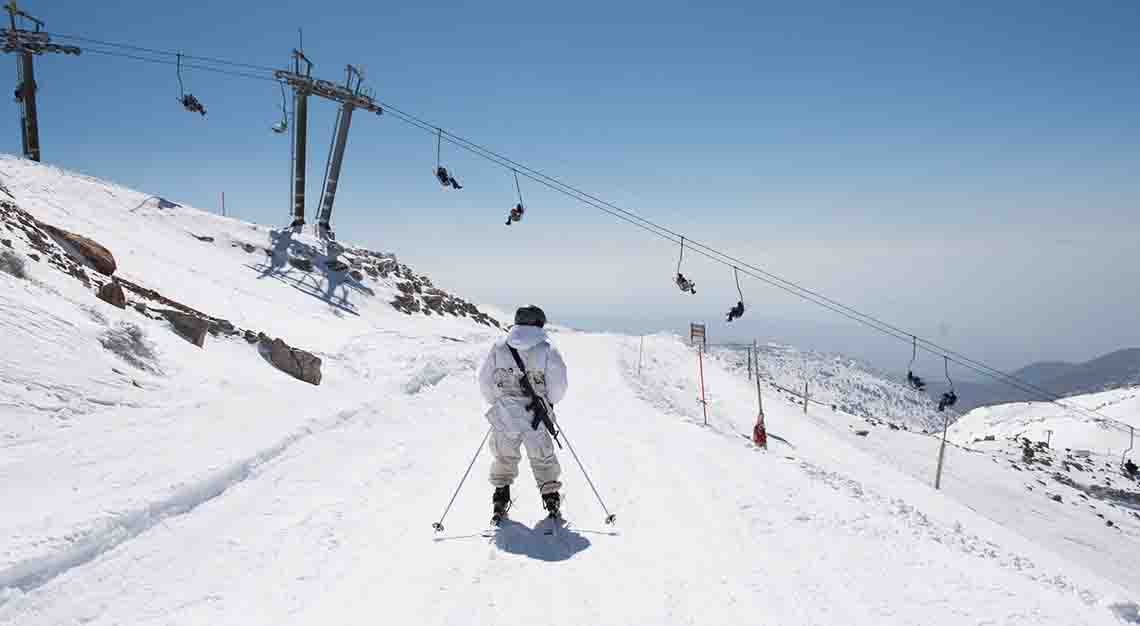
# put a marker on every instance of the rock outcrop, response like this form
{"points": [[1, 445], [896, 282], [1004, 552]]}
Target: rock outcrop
{"points": [[112, 293], [190, 327], [297, 363], [88, 250]]}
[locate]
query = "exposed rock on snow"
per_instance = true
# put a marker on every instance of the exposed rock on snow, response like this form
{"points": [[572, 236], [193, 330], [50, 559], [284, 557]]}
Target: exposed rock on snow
{"points": [[190, 327], [89, 250], [11, 263], [112, 293], [297, 363], [26, 227]]}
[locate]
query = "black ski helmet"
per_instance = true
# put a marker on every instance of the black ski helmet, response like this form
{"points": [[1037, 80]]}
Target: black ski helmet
{"points": [[530, 316]]}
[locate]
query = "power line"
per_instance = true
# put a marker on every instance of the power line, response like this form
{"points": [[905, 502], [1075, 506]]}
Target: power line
{"points": [[626, 215]]}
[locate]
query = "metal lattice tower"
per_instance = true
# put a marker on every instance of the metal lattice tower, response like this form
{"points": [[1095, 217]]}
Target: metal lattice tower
{"points": [[26, 44]]}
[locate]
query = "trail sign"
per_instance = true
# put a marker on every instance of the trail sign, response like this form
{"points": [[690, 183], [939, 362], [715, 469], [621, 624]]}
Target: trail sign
{"points": [[697, 333]]}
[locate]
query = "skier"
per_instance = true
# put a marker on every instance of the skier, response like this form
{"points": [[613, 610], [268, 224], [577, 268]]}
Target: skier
{"points": [[516, 214], [513, 415]]}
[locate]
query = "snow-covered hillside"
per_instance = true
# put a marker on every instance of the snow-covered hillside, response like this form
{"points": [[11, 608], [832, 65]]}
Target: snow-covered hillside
{"points": [[151, 481], [850, 385], [1063, 428]]}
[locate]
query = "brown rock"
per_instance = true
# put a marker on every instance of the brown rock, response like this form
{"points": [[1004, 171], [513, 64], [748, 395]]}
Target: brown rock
{"points": [[190, 327], [86, 249], [297, 363], [112, 293]]}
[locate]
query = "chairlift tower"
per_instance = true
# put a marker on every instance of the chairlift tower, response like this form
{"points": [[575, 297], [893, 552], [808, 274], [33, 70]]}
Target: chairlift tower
{"points": [[26, 44], [350, 96]]}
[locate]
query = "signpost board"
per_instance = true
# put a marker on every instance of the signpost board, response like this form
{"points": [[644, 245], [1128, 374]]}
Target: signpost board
{"points": [[697, 333]]}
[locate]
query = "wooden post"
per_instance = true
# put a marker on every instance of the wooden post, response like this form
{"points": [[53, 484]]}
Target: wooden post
{"points": [[223, 204], [805, 397], [1131, 442], [941, 454], [1049, 438], [640, 352]]}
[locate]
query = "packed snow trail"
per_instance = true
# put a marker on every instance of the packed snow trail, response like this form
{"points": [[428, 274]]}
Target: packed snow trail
{"points": [[205, 487], [336, 529]]}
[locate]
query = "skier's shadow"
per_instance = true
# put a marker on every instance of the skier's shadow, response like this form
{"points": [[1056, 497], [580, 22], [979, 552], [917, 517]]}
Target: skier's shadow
{"points": [[517, 538]]}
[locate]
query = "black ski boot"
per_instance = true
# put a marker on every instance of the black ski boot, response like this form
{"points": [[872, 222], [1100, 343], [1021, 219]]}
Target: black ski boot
{"points": [[551, 502], [501, 503]]}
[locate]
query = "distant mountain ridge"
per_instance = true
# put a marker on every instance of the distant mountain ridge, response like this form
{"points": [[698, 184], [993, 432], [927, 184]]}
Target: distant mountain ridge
{"points": [[1110, 371]]}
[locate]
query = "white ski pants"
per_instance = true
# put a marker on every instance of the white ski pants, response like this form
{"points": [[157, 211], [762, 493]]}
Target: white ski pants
{"points": [[507, 453]]}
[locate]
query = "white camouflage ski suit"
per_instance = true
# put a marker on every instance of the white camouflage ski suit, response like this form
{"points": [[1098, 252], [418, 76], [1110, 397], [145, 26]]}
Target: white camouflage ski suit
{"points": [[510, 421]]}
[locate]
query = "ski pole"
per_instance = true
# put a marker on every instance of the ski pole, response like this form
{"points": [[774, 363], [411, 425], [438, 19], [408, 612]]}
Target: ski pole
{"points": [[610, 517], [438, 526]]}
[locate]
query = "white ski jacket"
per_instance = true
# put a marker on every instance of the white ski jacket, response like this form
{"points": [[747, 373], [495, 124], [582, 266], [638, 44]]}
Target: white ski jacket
{"points": [[499, 377]]}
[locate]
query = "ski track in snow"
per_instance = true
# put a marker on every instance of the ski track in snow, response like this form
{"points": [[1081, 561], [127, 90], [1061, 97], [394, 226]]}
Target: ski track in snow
{"points": [[32, 573]]}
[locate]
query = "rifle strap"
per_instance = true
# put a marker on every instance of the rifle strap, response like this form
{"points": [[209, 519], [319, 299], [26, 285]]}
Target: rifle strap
{"points": [[518, 360]]}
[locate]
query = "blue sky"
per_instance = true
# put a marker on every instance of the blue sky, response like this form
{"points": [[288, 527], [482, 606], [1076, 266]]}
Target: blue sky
{"points": [[965, 171]]}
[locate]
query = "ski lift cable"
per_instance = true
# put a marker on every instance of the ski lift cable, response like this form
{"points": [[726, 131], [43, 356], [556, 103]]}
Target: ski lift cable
{"points": [[517, 188], [682, 255], [189, 66], [748, 269], [644, 223], [736, 273], [125, 46], [438, 141]]}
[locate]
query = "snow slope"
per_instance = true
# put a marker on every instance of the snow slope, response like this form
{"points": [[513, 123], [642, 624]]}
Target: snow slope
{"points": [[200, 486], [1070, 429]]}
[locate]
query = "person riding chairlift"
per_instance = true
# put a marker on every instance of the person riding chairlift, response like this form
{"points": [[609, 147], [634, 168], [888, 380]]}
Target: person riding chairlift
{"points": [[516, 214], [685, 284], [446, 179], [736, 312], [190, 103]]}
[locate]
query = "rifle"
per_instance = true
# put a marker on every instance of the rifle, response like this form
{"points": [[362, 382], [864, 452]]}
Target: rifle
{"points": [[537, 404]]}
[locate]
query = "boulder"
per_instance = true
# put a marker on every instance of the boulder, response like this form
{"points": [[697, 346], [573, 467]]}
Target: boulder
{"points": [[297, 363], [112, 293], [190, 327], [305, 265], [88, 250], [222, 327]]}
